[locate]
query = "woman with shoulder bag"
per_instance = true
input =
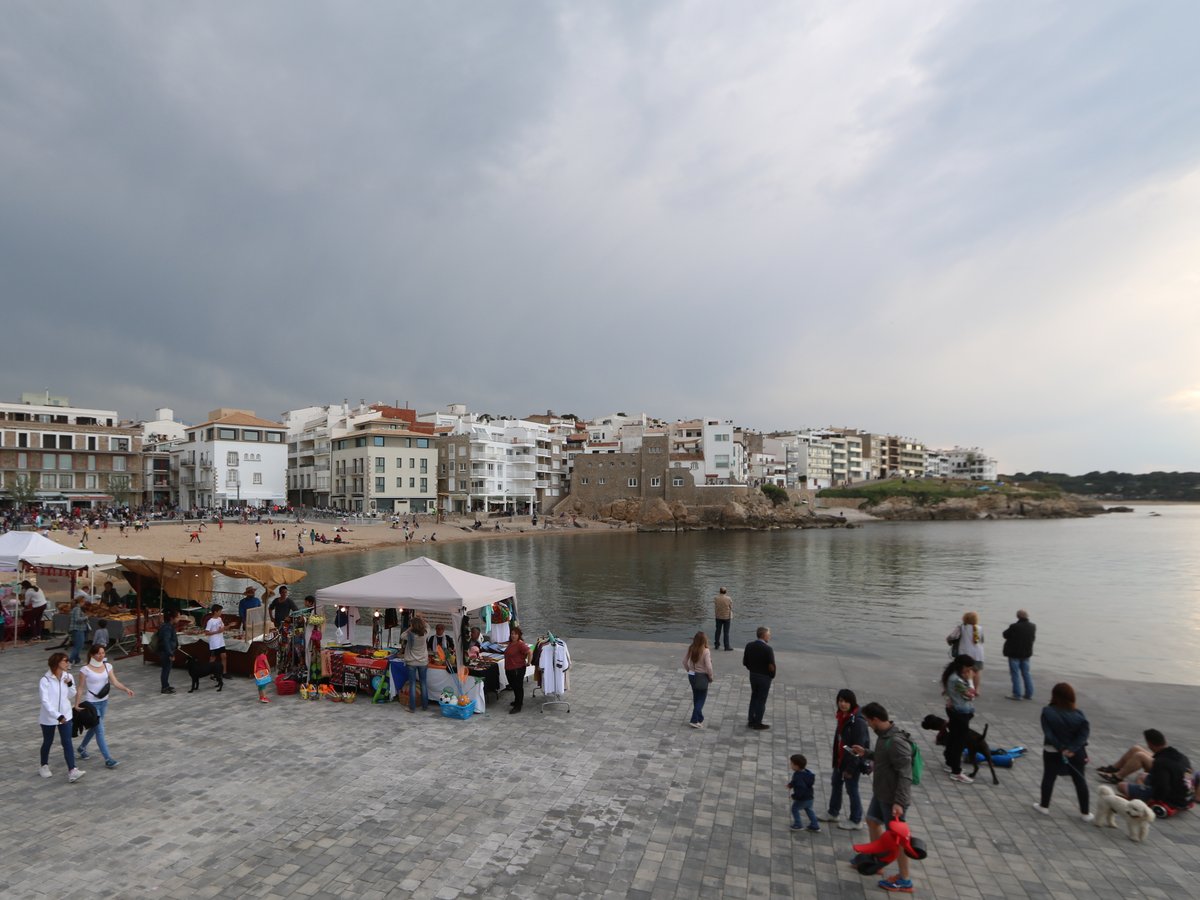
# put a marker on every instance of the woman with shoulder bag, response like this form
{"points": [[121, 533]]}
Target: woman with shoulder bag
{"points": [[57, 689], [850, 731], [967, 640], [98, 679], [697, 662]]}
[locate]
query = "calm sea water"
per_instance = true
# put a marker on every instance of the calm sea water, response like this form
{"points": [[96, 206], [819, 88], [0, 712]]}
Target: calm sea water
{"points": [[1119, 595]]}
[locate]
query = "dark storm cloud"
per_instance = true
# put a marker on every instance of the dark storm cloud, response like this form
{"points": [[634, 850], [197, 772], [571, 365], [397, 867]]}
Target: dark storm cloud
{"points": [[796, 216]]}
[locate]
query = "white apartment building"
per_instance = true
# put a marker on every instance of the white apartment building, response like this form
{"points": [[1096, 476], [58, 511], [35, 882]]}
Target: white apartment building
{"points": [[65, 457], [233, 459], [500, 465], [971, 464], [724, 458], [382, 467], [310, 433]]}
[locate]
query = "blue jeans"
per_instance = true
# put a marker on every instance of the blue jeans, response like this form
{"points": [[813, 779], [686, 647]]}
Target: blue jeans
{"points": [[722, 625], [415, 672], [806, 806], [1019, 670], [760, 687], [98, 731], [698, 698], [64, 737], [850, 782], [166, 661], [77, 639]]}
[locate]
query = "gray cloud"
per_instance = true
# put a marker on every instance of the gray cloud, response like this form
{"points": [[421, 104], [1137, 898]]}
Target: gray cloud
{"points": [[837, 214]]}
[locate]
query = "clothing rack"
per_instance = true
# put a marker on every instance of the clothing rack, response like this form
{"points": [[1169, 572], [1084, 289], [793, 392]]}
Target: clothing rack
{"points": [[555, 676]]}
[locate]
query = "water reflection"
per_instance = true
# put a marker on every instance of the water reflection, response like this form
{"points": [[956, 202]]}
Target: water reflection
{"points": [[890, 589]]}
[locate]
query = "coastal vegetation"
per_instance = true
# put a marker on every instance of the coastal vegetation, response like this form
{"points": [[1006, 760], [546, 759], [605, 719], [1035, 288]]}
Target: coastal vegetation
{"points": [[776, 494], [1122, 485]]}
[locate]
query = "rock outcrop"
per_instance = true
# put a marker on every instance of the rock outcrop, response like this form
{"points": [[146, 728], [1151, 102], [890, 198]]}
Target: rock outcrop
{"points": [[990, 505]]}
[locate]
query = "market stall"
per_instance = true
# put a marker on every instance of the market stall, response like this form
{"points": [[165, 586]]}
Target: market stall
{"points": [[426, 586], [187, 585], [53, 566]]}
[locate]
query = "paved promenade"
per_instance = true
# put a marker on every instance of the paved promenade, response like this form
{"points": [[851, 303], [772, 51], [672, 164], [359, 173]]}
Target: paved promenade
{"points": [[219, 796]]}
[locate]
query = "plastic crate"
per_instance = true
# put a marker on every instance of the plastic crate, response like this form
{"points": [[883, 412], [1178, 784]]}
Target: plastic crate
{"points": [[285, 686], [454, 711]]}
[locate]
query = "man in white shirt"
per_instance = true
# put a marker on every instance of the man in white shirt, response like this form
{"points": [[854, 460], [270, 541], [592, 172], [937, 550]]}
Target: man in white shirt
{"points": [[35, 610]]}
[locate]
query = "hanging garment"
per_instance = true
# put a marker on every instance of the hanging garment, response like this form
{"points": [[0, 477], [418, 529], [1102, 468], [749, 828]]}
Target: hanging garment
{"points": [[554, 661]]}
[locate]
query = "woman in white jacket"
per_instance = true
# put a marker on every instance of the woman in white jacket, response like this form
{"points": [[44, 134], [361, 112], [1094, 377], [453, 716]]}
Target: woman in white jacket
{"points": [[57, 690]]}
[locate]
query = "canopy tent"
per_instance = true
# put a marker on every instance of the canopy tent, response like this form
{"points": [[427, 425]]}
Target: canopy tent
{"points": [[193, 579], [29, 551], [423, 584], [30, 547]]}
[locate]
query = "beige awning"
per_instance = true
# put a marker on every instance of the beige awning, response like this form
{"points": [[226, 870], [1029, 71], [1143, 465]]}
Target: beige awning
{"points": [[191, 579]]}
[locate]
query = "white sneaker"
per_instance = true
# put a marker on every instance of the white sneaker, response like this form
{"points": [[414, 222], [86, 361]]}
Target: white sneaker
{"points": [[694, 724], [1044, 810], [847, 825], [962, 779], [75, 775], [45, 772], [1088, 817]]}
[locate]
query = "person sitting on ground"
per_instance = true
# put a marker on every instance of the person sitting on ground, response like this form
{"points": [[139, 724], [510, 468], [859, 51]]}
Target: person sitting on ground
{"points": [[1166, 773]]}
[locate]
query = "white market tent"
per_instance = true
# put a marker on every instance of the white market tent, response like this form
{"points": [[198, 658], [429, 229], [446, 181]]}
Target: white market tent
{"points": [[46, 557], [423, 584], [30, 547]]}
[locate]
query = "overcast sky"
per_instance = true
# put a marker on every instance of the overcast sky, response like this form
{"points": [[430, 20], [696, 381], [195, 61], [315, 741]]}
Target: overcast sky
{"points": [[972, 224]]}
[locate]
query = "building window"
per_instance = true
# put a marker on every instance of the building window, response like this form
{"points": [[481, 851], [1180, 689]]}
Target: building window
{"points": [[583, 480], [360, 442], [274, 437], [23, 439], [231, 458], [251, 435], [231, 478], [49, 441], [599, 481], [424, 466], [380, 464], [66, 482], [462, 484], [91, 463], [412, 482], [632, 482], [379, 486], [49, 460], [256, 478], [399, 482], [462, 467], [399, 462], [412, 462], [49, 482], [64, 461], [22, 460], [423, 443], [118, 464], [377, 441], [722, 460], [223, 434], [720, 437], [89, 482], [655, 481], [677, 481], [424, 485]]}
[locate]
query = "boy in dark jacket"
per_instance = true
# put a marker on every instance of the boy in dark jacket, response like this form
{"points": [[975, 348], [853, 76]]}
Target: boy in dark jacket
{"points": [[801, 785]]}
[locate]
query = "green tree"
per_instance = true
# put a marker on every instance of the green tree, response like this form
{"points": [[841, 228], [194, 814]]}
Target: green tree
{"points": [[22, 491], [121, 487]]}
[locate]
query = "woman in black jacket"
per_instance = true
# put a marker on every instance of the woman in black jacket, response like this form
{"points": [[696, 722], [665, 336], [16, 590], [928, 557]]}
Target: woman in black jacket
{"points": [[1065, 730], [850, 731]]}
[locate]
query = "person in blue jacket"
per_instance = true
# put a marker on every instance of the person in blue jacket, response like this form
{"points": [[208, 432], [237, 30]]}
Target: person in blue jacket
{"points": [[1065, 730]]}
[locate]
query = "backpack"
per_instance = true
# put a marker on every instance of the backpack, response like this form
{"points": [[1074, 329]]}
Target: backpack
{"points": [[918, 761]]}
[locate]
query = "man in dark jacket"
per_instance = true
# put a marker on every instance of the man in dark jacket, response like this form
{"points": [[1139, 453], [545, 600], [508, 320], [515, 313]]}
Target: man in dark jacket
{"points": [[759, 659], [168, 643], [1018, 647], [1168, 778]]}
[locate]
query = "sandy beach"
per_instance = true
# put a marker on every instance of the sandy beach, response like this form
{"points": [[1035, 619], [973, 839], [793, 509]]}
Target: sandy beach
{"points": [[234, 541]]}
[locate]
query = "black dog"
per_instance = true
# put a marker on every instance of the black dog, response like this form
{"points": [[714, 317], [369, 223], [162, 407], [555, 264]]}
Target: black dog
{"points": [[198, 670], [976, 743]]}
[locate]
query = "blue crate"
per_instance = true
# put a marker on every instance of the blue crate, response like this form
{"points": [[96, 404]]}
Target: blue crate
{"points": [[454, 711]]}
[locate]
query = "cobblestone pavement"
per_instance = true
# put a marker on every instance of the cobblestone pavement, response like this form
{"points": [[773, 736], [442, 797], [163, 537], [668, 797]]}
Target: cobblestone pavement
{"points": [[218, 795]]}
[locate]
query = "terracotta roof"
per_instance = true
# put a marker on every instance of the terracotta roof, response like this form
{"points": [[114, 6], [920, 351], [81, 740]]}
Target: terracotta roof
{"points": [[242, 419]]}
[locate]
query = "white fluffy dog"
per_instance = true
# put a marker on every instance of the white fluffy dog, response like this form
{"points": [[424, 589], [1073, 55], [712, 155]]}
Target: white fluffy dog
{"points": [[1109, 805], [1138, 818]]}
